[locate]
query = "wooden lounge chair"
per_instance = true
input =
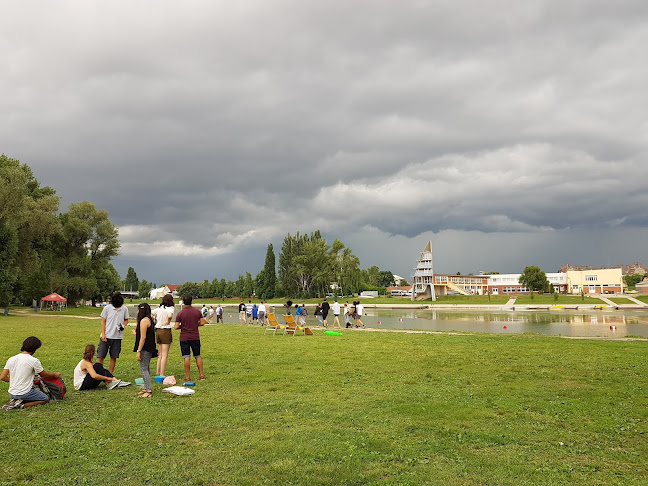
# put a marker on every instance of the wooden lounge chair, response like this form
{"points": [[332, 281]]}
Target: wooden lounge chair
{"points": [[293, 328], [273, 324]]}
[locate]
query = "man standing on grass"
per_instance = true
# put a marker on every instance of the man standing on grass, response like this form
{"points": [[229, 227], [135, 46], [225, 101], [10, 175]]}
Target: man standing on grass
{"points": [[114, 318], [188, 321]]}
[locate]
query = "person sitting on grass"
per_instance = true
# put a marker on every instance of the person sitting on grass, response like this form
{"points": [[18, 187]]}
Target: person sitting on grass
{"points": [[20, 371], [89, 375]]}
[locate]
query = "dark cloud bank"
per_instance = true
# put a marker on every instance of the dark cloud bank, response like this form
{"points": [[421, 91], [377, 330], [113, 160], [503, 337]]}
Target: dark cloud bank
{"points": [[509, 133]]}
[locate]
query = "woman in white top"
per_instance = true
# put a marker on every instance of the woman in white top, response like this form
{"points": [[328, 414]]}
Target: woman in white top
{"points": [[359, 310], [163, 316], [89, 375]]}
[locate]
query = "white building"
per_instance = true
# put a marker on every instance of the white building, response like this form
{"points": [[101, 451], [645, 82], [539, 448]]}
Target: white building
{"points": [[423, 284]]}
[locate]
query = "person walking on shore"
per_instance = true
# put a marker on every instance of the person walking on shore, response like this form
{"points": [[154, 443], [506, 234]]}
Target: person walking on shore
{"points": [[262, 313], [336, 314], [219, 314], [325, 310], [242, 312], [358, 313]]}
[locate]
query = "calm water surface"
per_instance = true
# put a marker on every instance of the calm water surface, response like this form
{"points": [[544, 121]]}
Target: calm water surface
{"points": [[565, 322], [555, 323]]}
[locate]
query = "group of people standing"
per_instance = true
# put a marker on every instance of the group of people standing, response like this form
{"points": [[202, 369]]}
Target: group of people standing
{"points": [[209, 313], [251, 313], [350, 311], [153, 338], [322, 310]]}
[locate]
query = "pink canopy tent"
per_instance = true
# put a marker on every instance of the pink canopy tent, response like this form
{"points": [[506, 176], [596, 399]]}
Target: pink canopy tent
{"points": [[57, 301]]}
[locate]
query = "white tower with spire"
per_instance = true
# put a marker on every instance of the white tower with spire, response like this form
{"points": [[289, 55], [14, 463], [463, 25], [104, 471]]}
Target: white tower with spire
{"points": [[424, 275]]}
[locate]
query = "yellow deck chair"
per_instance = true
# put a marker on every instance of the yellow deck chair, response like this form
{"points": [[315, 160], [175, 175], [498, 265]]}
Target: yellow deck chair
{"points": [[293, 328], [273, 325]]}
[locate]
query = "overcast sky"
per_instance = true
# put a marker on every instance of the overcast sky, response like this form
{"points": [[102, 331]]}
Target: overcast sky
{"points": [[510, 133]]}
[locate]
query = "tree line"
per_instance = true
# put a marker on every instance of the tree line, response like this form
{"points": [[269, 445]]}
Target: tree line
{"points": [[308, 267], [42, 251]]}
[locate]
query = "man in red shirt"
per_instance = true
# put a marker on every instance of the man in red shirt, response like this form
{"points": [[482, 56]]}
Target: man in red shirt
{"points": [[188, 321]]}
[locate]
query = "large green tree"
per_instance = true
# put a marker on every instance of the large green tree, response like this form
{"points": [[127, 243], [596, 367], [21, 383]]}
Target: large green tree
{"points": [[309, 267], [266, 279], [144, 289], [27, 222], [534, 279], [87, 242], [131, 282]]}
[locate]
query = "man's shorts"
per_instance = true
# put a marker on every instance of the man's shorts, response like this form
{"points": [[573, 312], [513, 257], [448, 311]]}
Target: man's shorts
{"points": [[114, 345], [164, 336], [34, 395], [193, 345]]}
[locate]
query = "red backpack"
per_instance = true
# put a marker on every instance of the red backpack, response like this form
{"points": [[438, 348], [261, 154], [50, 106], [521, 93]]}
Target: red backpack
{"points": [[54, 388]]}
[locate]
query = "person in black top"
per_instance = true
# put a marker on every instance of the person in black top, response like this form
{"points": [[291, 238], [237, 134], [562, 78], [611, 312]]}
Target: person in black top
{"points": [[145, 346], [242, 316], [325, 310]]}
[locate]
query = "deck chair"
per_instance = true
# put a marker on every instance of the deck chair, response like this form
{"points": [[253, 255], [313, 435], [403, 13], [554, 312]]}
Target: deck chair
{"points": [[293, 328], [273, 324]]}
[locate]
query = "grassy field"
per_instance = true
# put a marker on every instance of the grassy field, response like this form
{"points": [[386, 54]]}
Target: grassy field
{"points": [[548, 299], [362, 408]]}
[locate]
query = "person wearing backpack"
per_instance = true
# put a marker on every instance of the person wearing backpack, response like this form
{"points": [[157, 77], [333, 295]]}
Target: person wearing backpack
{"points": [[20, 371]]}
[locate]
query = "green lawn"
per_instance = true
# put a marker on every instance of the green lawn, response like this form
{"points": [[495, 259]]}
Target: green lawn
{"points": [[362, 408], [622, 301], [548, 299]]}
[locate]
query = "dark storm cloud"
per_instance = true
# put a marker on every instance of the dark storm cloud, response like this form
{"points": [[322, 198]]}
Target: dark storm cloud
{"points": [[210, 128]]}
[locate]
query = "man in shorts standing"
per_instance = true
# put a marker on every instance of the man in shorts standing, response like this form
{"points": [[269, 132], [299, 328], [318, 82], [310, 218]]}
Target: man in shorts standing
{"points": [[114, 318], [188, 321]]}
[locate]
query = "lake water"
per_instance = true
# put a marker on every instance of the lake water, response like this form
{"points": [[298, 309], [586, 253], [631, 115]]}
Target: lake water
{"points": [[594, 323], [565, 322]]}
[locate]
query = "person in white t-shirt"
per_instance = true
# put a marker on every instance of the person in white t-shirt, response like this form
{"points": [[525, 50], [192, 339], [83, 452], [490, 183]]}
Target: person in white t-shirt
{"points": [[114, 318], [261, 313], [20, 371], [358, 312], [336, 314]]}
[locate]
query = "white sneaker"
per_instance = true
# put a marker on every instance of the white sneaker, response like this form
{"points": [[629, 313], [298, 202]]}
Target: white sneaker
{"points": [[12, 404], [113, 384], [122, 384]]}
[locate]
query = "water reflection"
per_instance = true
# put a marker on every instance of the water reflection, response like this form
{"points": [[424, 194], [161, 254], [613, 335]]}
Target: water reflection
{"points": [[594, 323], [568, 323]]}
